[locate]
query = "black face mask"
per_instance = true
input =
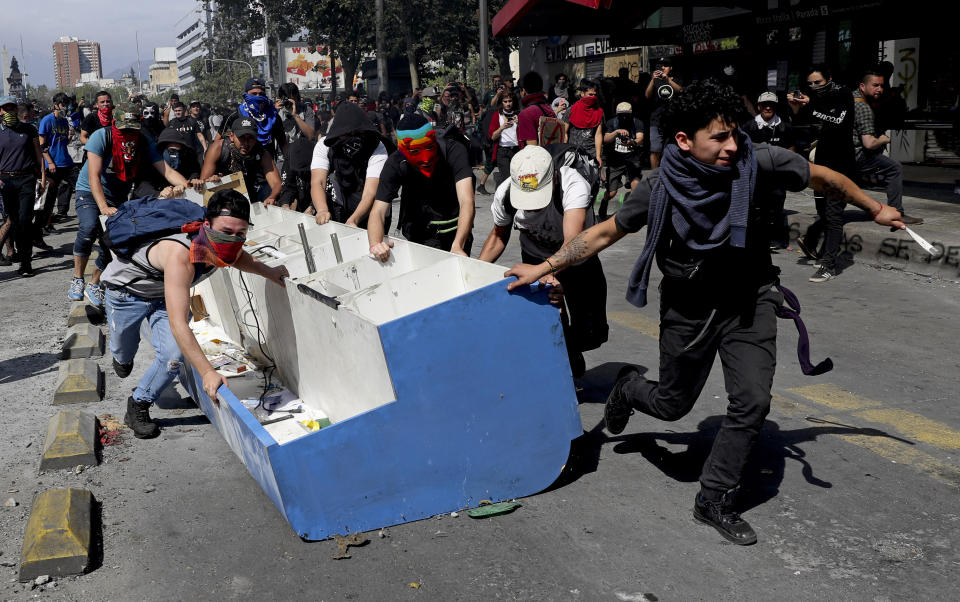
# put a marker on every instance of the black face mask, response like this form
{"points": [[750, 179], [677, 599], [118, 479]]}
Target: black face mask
{"points": [[349, 146], [172, 158], [821, 90]]}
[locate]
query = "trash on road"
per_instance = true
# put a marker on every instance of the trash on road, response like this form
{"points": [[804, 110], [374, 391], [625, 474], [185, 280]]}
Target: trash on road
{"points": [[345, 541], [485, 510]]}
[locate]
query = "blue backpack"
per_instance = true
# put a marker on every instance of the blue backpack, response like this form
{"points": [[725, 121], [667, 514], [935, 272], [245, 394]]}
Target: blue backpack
{"points": [[140, 221]]}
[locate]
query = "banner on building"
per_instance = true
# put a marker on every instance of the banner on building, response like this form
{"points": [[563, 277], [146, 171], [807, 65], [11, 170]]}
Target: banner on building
{"points": [[309, 67]]}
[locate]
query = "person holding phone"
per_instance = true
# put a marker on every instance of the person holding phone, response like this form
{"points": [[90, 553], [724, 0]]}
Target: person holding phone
{"points": [[503, 134]]}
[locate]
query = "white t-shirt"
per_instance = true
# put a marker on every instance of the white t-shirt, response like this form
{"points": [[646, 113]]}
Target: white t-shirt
{"points": [[321, 159], [508, 137], [542, 227]]}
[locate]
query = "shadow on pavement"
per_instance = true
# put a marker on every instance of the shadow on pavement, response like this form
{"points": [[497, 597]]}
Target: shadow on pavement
{"points": [[762, 476], [27, 366]]}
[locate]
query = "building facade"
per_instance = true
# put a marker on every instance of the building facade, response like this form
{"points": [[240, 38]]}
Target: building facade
{"points": [[163, 72], [73, 59], [192, 31]]}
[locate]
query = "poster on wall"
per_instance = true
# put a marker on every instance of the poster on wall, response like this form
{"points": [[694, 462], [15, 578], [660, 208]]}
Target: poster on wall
{"points": [[309, 67]]}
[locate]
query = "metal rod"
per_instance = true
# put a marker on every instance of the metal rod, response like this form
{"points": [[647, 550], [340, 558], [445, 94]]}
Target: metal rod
{"points": [[336, 247], [311, 266]]}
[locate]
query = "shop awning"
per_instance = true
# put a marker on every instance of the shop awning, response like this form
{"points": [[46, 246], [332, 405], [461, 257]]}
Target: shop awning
{"points": [[568, 17]]}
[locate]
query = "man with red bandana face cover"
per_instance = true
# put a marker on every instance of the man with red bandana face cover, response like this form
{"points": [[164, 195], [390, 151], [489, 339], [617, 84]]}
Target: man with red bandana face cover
{"points": [[100, 117], [154, 285], [119, 158], [436, 206]]}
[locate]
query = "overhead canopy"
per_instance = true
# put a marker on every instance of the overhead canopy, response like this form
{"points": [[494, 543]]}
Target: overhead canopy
{"points": [[568, 17]]}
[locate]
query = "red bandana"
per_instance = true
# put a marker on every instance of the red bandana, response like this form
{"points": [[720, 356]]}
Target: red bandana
{"points": [[211, 247], [106, 116], [125, 153], [585, 113]]}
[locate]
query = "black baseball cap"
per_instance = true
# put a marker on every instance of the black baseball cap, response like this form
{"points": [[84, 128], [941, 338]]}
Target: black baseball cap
{"points": [[663, 61], [254, 82], [244, 125]]}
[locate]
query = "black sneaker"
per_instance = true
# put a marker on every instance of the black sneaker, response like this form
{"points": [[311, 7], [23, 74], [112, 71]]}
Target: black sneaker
{"points": [[805, 249], [617, 411], [138, 419], [49, 229], [122, 370], [4, 260], [910, 220], [25, 270], [41, 244], [720, 515], [822, 274]]}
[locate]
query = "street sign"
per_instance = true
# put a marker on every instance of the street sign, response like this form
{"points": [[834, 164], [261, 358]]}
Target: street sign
{"points": [[259, 47]]}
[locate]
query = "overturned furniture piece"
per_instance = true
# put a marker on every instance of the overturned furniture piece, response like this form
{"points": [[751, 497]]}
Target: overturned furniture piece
{"points": [[441, 388]]}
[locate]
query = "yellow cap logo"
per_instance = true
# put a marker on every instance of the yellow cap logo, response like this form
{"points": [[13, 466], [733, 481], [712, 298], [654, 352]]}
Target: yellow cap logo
{"points": [[529, 182]]}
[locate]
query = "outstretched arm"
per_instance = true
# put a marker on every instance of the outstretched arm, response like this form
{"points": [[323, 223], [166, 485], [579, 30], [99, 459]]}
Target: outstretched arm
{"points": [[838, 186], [583, 246]]}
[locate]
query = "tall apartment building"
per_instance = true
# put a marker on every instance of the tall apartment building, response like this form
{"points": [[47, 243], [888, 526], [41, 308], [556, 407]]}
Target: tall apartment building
{"points": [[74, 58], [193, 31]]}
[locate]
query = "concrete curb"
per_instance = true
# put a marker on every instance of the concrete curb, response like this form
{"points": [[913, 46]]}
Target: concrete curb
{"points": [[71, 441], [83, 340], [91, 264], [79, 381], [84, 313], [58, 540]]}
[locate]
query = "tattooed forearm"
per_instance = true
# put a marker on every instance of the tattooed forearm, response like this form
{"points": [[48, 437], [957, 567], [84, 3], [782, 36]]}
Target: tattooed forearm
{"points": [[572, 252], [835, 188]]}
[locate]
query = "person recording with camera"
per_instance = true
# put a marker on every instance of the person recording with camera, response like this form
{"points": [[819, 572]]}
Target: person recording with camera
{"points": [[503, 135]]}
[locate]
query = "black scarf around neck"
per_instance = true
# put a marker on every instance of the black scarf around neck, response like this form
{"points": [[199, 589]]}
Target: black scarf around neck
{"points": [[707, 205]]}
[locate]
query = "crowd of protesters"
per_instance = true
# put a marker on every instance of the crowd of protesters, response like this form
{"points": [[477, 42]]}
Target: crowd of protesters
{"points": [[703, 165]]}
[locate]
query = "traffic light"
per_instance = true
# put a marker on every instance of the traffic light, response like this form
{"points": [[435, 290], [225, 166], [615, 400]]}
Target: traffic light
{"points": [[208, 66]]}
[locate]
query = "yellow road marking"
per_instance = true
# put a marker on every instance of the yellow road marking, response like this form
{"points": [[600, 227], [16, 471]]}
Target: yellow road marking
{"points": [[885, 447], [636, 321], [835, 397], [910, 425]]}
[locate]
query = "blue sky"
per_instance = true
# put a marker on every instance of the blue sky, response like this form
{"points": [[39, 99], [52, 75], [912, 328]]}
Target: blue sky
{"points": [[113, 24]]}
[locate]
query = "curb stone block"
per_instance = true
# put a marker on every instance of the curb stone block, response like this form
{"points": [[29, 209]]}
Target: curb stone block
{"points": [[58, 540], [83, 340], [91, 264], [82, 312], [71, 441], [78, 381]]}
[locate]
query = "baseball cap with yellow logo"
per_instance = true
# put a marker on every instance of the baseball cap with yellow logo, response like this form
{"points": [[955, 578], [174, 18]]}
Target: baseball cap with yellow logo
{"points": [[531, 178]]}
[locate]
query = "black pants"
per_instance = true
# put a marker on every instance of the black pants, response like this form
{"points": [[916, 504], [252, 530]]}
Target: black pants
{"points": [[691, 335], [55, 181], [18, 197], [829, 226], [584, 315], [830, 212], [66, 189], [443, 241], [504, 155]]}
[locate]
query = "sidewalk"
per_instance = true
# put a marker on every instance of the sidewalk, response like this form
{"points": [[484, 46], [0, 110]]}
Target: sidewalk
{"points": [[869, 243]]}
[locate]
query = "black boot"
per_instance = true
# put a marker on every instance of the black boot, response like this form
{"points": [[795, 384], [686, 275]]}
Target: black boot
{"points": [[138, 419], [715, 508], [617, 410], [122, 370]]}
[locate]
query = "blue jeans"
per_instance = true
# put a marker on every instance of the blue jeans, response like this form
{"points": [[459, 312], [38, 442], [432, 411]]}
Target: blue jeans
{"points": [[125, 314], [88, 229], [890, 174]]}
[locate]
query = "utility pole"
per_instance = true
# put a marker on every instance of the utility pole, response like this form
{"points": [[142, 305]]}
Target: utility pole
{"points": [[381, 52], [266, 44], [484, 47], [139, 68]]}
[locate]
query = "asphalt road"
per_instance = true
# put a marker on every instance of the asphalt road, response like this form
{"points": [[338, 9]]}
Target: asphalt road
{"points": [[852, 487]]}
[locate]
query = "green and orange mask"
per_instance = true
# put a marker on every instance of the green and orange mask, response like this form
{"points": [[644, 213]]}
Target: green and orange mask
{"points": [[420, 148]]}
